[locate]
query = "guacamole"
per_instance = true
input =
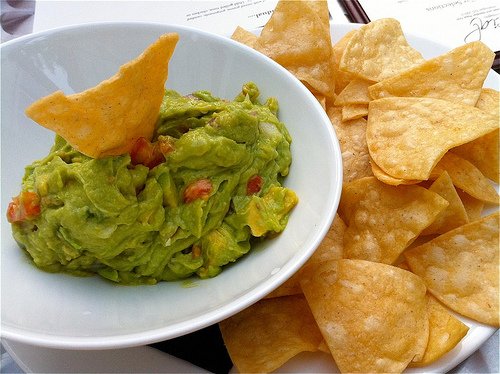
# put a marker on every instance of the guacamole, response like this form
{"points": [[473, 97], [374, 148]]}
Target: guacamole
{"points": [[215, 189]]}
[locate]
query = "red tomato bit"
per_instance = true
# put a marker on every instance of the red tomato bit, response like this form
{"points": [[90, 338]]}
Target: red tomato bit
{"points": [[199, 189], [146, 153], [24, 206], [254, 184]]}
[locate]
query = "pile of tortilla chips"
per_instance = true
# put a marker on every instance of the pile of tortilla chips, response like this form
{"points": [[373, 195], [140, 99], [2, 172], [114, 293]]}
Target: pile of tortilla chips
{"points": [[412, 245]]}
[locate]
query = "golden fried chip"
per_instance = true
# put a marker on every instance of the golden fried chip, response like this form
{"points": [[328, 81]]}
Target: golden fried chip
{"points": [[388, 179], [403, 265], [407, 136], [378, 51], [108, 118], [484, 152], [267, 334], [460, 268], [454, 215], [352, 139], [489, 101], [245, 37], [383, 220], [297, 36], [456, 76], [330, 248], [342, 78], [445, 332], [356, 92], [372, 316], [473, 207], [323, 347], [466, 177], [354, 111]]}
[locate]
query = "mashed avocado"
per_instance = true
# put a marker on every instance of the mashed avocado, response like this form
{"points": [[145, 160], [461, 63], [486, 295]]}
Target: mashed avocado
{"points": [[216, 189]]}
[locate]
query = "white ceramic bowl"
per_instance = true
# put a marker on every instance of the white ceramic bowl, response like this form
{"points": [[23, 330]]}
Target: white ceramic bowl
{"points": [[61, 311]]}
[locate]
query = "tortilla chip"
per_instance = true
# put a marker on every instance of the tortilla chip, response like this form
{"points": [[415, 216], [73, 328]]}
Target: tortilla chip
{"points": [[403, 265], [323, 347], [373, 317], [454, 215], [245, 37], [473, 207], [445, 332], [356, 92], [489, 101], [484, 152], [297, 36], [456, 76], [378, 51], [466, 177], [330, 248], [267, 334], [342, 78], [352, 139], [108, 119], [354, 111], [407, 136], [383, 220], [460, 268], [388, 179]]}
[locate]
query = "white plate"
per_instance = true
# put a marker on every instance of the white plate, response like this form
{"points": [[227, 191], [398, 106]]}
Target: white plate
{"points": [[49, 360], [143, 359]]}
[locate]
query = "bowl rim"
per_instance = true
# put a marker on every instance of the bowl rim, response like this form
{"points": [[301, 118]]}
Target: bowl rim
{"points": [[228, 308]]}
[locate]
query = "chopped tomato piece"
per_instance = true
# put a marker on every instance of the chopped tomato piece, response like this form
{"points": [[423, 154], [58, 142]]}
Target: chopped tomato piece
{"points": [[146, 153], [254, 184], [24, 206], [199, 189]]}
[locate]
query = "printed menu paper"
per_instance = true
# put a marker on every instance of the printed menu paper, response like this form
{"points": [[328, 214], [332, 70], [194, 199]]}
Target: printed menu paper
{"points": [[220, 17], [448, 22]]}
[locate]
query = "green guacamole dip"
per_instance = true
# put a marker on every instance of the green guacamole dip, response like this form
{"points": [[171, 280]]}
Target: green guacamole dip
{"points": [[134, 225]]}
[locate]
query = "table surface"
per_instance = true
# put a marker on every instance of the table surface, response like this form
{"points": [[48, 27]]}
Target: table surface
{"points": [[21, 20]]}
